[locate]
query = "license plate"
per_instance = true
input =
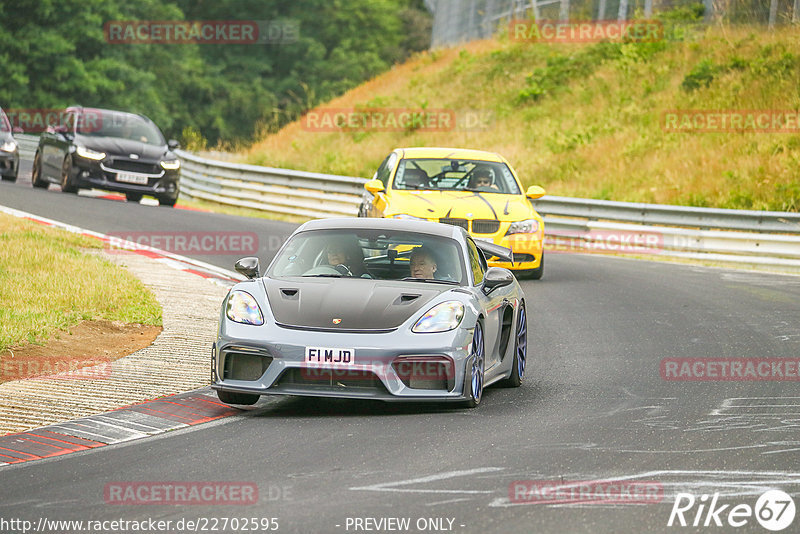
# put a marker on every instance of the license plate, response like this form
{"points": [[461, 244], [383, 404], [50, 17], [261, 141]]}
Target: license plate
{"points": [[131, 178], [326, 355]]}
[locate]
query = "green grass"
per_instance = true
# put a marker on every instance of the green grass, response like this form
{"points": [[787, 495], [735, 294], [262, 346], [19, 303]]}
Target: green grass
{"points": [[584, 120], [48, 284]]}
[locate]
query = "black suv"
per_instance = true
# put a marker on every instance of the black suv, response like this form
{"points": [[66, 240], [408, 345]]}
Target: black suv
{"points": [[111, 150], [9, 152]]}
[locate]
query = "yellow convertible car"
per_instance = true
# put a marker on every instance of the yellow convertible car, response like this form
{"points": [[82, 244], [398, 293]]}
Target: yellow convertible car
{"points": [[476, 190]]}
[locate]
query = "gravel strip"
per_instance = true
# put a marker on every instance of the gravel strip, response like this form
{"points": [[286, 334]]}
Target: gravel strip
{"points": [[177, 361]]}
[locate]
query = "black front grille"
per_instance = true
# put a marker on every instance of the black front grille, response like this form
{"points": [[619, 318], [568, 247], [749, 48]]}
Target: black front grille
{"points": [[243, 366], [134, 166], [455, 222], [485, 226], [329, 378], [425, 374], [519, 258]]}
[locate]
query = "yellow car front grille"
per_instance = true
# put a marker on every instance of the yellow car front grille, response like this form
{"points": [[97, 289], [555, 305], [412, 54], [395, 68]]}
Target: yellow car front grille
{"points": [[478, 226]]}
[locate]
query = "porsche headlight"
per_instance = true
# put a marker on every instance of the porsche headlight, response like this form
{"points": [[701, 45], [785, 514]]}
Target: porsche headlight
{"points": [[9, 146], [243, 308], [440, 318], [408, 217], [88, 153], [171, 164], [528, 226]]}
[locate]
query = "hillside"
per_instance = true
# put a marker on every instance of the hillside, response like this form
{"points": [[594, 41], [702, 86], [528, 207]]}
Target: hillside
{"points": [[588, 120]]}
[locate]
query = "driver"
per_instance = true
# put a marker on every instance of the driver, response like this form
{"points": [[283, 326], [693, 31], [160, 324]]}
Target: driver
{"points": [[130, 131], [422, 263], [347, 253], [482, 177]]}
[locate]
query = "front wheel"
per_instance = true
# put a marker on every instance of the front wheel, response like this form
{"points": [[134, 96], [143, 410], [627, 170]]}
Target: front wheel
{"points": [[36, 173], [244, 399], [67, 182], [534, 274], [167, 202], [477, 368], [520, 350]]}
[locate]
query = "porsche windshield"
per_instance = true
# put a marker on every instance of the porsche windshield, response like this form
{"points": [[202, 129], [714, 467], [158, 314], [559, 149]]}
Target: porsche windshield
{"points": [[371, 254], [100, 123], [455, 175]]}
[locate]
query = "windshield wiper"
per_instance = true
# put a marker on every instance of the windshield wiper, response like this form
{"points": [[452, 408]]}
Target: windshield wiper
{"points": [[326, 275], [433, 280]]}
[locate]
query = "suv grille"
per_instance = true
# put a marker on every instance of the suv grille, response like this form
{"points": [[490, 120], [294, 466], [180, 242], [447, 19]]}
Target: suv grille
{"points": [[135, 166], [485, 226]]}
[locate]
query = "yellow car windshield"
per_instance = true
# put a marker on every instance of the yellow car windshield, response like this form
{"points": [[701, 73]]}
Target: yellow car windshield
{"points": [[454, 175]]}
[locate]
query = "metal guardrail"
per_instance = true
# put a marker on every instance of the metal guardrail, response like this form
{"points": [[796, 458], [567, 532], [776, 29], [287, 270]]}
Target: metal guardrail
{"points": [[663, 214], [306, 194], [724, 235]]}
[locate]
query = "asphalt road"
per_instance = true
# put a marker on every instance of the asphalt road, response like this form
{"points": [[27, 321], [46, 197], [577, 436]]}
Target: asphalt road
{"points": [[595, 407]]}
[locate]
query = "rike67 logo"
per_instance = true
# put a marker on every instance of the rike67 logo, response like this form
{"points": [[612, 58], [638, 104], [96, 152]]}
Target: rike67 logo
{"points": [[774, 510]]}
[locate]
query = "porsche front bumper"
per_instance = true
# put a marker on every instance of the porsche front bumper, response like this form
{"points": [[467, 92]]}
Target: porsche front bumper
{"points": [[390, 366]]}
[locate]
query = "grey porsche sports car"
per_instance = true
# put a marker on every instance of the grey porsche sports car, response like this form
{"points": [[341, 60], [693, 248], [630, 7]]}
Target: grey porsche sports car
{"points": [[384, 309]]}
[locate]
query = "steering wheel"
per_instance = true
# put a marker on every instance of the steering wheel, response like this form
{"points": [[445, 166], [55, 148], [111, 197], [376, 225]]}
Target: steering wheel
{"points": [[344, 269]]}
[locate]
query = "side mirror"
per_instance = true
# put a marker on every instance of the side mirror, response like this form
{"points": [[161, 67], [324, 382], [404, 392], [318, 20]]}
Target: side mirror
{"points": [[248, 267], [374, 186], [496, 277], [172, 144], [534, 192]]}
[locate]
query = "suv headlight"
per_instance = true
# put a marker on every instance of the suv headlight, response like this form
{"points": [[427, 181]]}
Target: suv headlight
{"points": [[243, 308], [88, 153], [9, 146], [528, 226], [171, 164], [440, 318]]}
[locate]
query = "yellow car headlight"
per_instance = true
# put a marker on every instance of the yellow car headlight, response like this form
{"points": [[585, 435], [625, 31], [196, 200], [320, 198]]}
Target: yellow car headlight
{"points": [[528, 226]]}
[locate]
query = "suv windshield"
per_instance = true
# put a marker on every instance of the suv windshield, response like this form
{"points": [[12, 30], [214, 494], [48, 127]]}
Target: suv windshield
{"points": [[455, 175], [371, 254], [121, 125]]}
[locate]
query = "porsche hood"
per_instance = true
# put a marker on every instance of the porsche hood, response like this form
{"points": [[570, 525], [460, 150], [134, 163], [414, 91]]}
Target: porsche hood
{"points": [[462, 204], [347, 304]]}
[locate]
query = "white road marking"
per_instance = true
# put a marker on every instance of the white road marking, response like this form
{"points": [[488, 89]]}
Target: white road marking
{"points": [[728, 484], [392, 486]]}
